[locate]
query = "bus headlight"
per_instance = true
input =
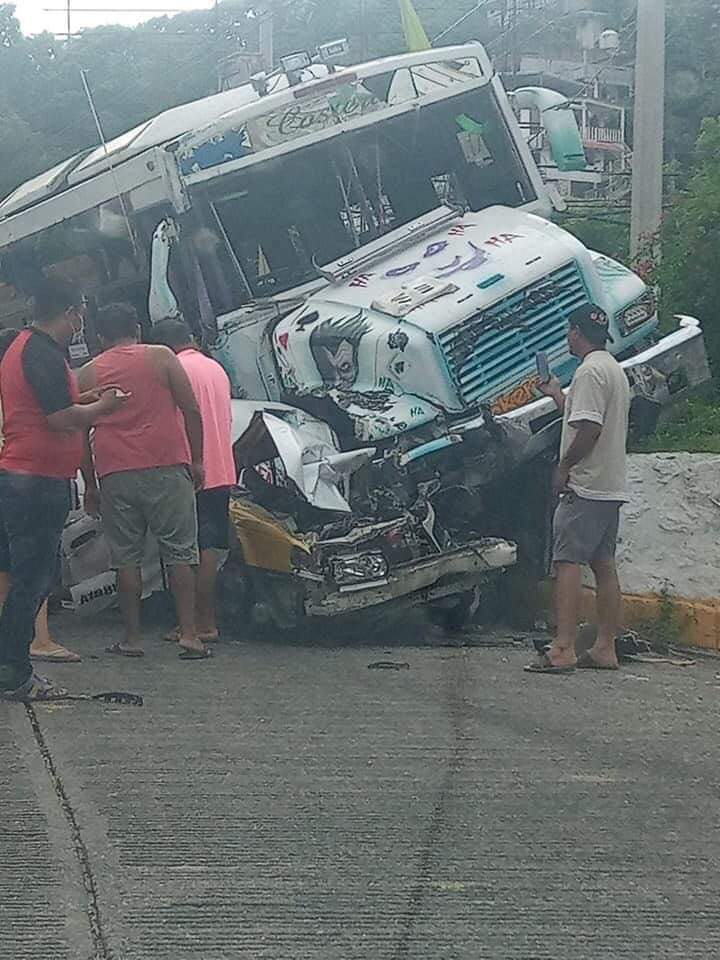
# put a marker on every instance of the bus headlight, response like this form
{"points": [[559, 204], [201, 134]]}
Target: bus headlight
{"points": [[638, 313]]}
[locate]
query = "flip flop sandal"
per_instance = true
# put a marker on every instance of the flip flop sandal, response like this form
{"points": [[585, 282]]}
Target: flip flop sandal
{"points": [[545, 665], [189, 654], [119, 651], [174, 637], [66, 656], [43, 690], [586, 662]]}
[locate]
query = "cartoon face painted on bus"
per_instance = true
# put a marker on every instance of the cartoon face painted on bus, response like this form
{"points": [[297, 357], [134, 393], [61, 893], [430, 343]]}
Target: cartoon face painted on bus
{"points": [[334, 345]]}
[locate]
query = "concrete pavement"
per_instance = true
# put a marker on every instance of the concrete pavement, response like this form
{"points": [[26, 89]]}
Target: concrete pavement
{"points": [[283, 803]]}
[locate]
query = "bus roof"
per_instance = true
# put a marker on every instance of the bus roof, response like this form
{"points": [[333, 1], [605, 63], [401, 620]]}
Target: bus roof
{"points": [[190, 123]]}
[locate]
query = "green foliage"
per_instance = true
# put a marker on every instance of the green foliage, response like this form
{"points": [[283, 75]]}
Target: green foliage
{"points": [[607, 231], [136, 73], [693, 73], [693, 427], [667, 629], [689, 274]]}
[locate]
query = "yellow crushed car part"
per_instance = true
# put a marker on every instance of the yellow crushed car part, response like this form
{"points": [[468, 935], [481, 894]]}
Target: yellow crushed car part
{"points": [[264, 540]]}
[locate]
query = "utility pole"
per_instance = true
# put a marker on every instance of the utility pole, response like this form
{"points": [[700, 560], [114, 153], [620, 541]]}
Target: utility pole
{"points": [[648, 136], [362, 30], [266, 39]]}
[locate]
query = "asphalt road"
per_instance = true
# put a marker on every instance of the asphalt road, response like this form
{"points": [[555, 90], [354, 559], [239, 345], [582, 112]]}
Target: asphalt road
{"points": [[283, 803]]}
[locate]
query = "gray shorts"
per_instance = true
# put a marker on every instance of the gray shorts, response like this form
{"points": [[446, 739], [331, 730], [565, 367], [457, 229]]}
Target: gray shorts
{"points": [[160, 500], [585, 531]]}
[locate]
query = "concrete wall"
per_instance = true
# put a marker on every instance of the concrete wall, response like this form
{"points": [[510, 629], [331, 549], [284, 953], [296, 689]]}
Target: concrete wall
{"points": [[670, 532]]}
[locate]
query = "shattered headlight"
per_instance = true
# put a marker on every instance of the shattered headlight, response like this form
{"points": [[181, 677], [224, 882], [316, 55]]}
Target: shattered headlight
{"points": [[360, 568], [638, 312]]}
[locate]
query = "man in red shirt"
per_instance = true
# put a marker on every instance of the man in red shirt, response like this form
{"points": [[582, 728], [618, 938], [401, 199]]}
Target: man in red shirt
{"points": [[44, 428], [211, 387], [149, 459]]}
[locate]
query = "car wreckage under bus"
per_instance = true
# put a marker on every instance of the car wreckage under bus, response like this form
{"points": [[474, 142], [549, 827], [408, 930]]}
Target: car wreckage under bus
{"points": [[319, 534]]}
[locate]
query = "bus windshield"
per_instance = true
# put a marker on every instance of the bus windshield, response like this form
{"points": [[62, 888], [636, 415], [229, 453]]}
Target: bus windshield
{"points": [[283, 217]]}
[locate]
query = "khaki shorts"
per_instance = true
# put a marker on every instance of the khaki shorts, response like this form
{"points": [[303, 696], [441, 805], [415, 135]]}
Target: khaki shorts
{"points": [[161, 501], [585, 531]]}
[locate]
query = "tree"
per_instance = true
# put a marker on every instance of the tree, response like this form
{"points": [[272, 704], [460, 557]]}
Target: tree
{"points": [[689, 275], [606, 230], [693, 73], [9, 26], [136, 73]]}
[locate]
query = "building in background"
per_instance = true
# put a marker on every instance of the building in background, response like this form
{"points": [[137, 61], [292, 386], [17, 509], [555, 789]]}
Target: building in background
{"points": [[585, 65]]}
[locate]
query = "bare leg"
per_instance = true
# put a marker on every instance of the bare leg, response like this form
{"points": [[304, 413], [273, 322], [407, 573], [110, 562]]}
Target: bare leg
{"points": [[609, 605], [568, 584], [129, 594], [182, 582], [43, 644], [42, 638], [205, 599]]}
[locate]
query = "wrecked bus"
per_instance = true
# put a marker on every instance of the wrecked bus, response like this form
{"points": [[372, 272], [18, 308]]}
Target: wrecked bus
{"points": [[367, 251]]}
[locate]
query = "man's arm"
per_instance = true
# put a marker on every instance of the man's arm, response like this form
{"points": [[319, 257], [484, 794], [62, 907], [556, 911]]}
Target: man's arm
{"points": [[553, 389], [587, 434], [82, 416], [49, 376], [186, 401], [91, 499]]}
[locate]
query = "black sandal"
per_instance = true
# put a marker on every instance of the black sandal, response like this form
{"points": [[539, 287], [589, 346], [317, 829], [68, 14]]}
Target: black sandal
{"points": [[586, 662], [188, 653], [545, 665]]}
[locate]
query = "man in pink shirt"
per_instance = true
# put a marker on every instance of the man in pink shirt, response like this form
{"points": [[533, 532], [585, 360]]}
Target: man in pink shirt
{"points": [[211, 387]]}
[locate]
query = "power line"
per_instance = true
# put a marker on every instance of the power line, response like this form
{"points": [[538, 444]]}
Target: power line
{"points": [[69, 10], [513, 26], [117, 10], [478, 6]]}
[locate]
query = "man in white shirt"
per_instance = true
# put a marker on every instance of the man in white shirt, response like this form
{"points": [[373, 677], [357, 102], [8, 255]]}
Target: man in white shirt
{"points": [[591, 483]]}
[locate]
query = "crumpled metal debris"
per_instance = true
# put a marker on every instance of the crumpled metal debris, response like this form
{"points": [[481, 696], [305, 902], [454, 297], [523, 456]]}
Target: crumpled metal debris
{"points": [[318, 469]]}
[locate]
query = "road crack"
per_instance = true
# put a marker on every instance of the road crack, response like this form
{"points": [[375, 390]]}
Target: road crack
{"points": [[456, 703], [101, 949]]}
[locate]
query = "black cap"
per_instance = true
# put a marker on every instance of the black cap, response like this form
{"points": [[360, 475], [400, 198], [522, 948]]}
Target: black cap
{"points": [[592, 322]]}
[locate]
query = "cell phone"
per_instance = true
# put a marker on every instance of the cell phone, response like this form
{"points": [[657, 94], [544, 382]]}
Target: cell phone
{"points": [[543, 367]]}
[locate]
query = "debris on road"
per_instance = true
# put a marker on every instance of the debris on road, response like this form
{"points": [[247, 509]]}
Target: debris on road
{"points": [[388, 665]]}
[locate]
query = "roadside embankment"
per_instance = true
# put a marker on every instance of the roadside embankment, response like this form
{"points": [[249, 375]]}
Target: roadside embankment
{"points": [[669, 549]]}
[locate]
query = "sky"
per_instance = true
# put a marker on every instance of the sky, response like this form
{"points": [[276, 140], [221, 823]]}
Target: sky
{"points": [[35, 17]]}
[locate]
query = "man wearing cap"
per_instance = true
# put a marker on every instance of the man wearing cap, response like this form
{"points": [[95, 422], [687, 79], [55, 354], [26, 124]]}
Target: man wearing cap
{"points": [[591, 483]]}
